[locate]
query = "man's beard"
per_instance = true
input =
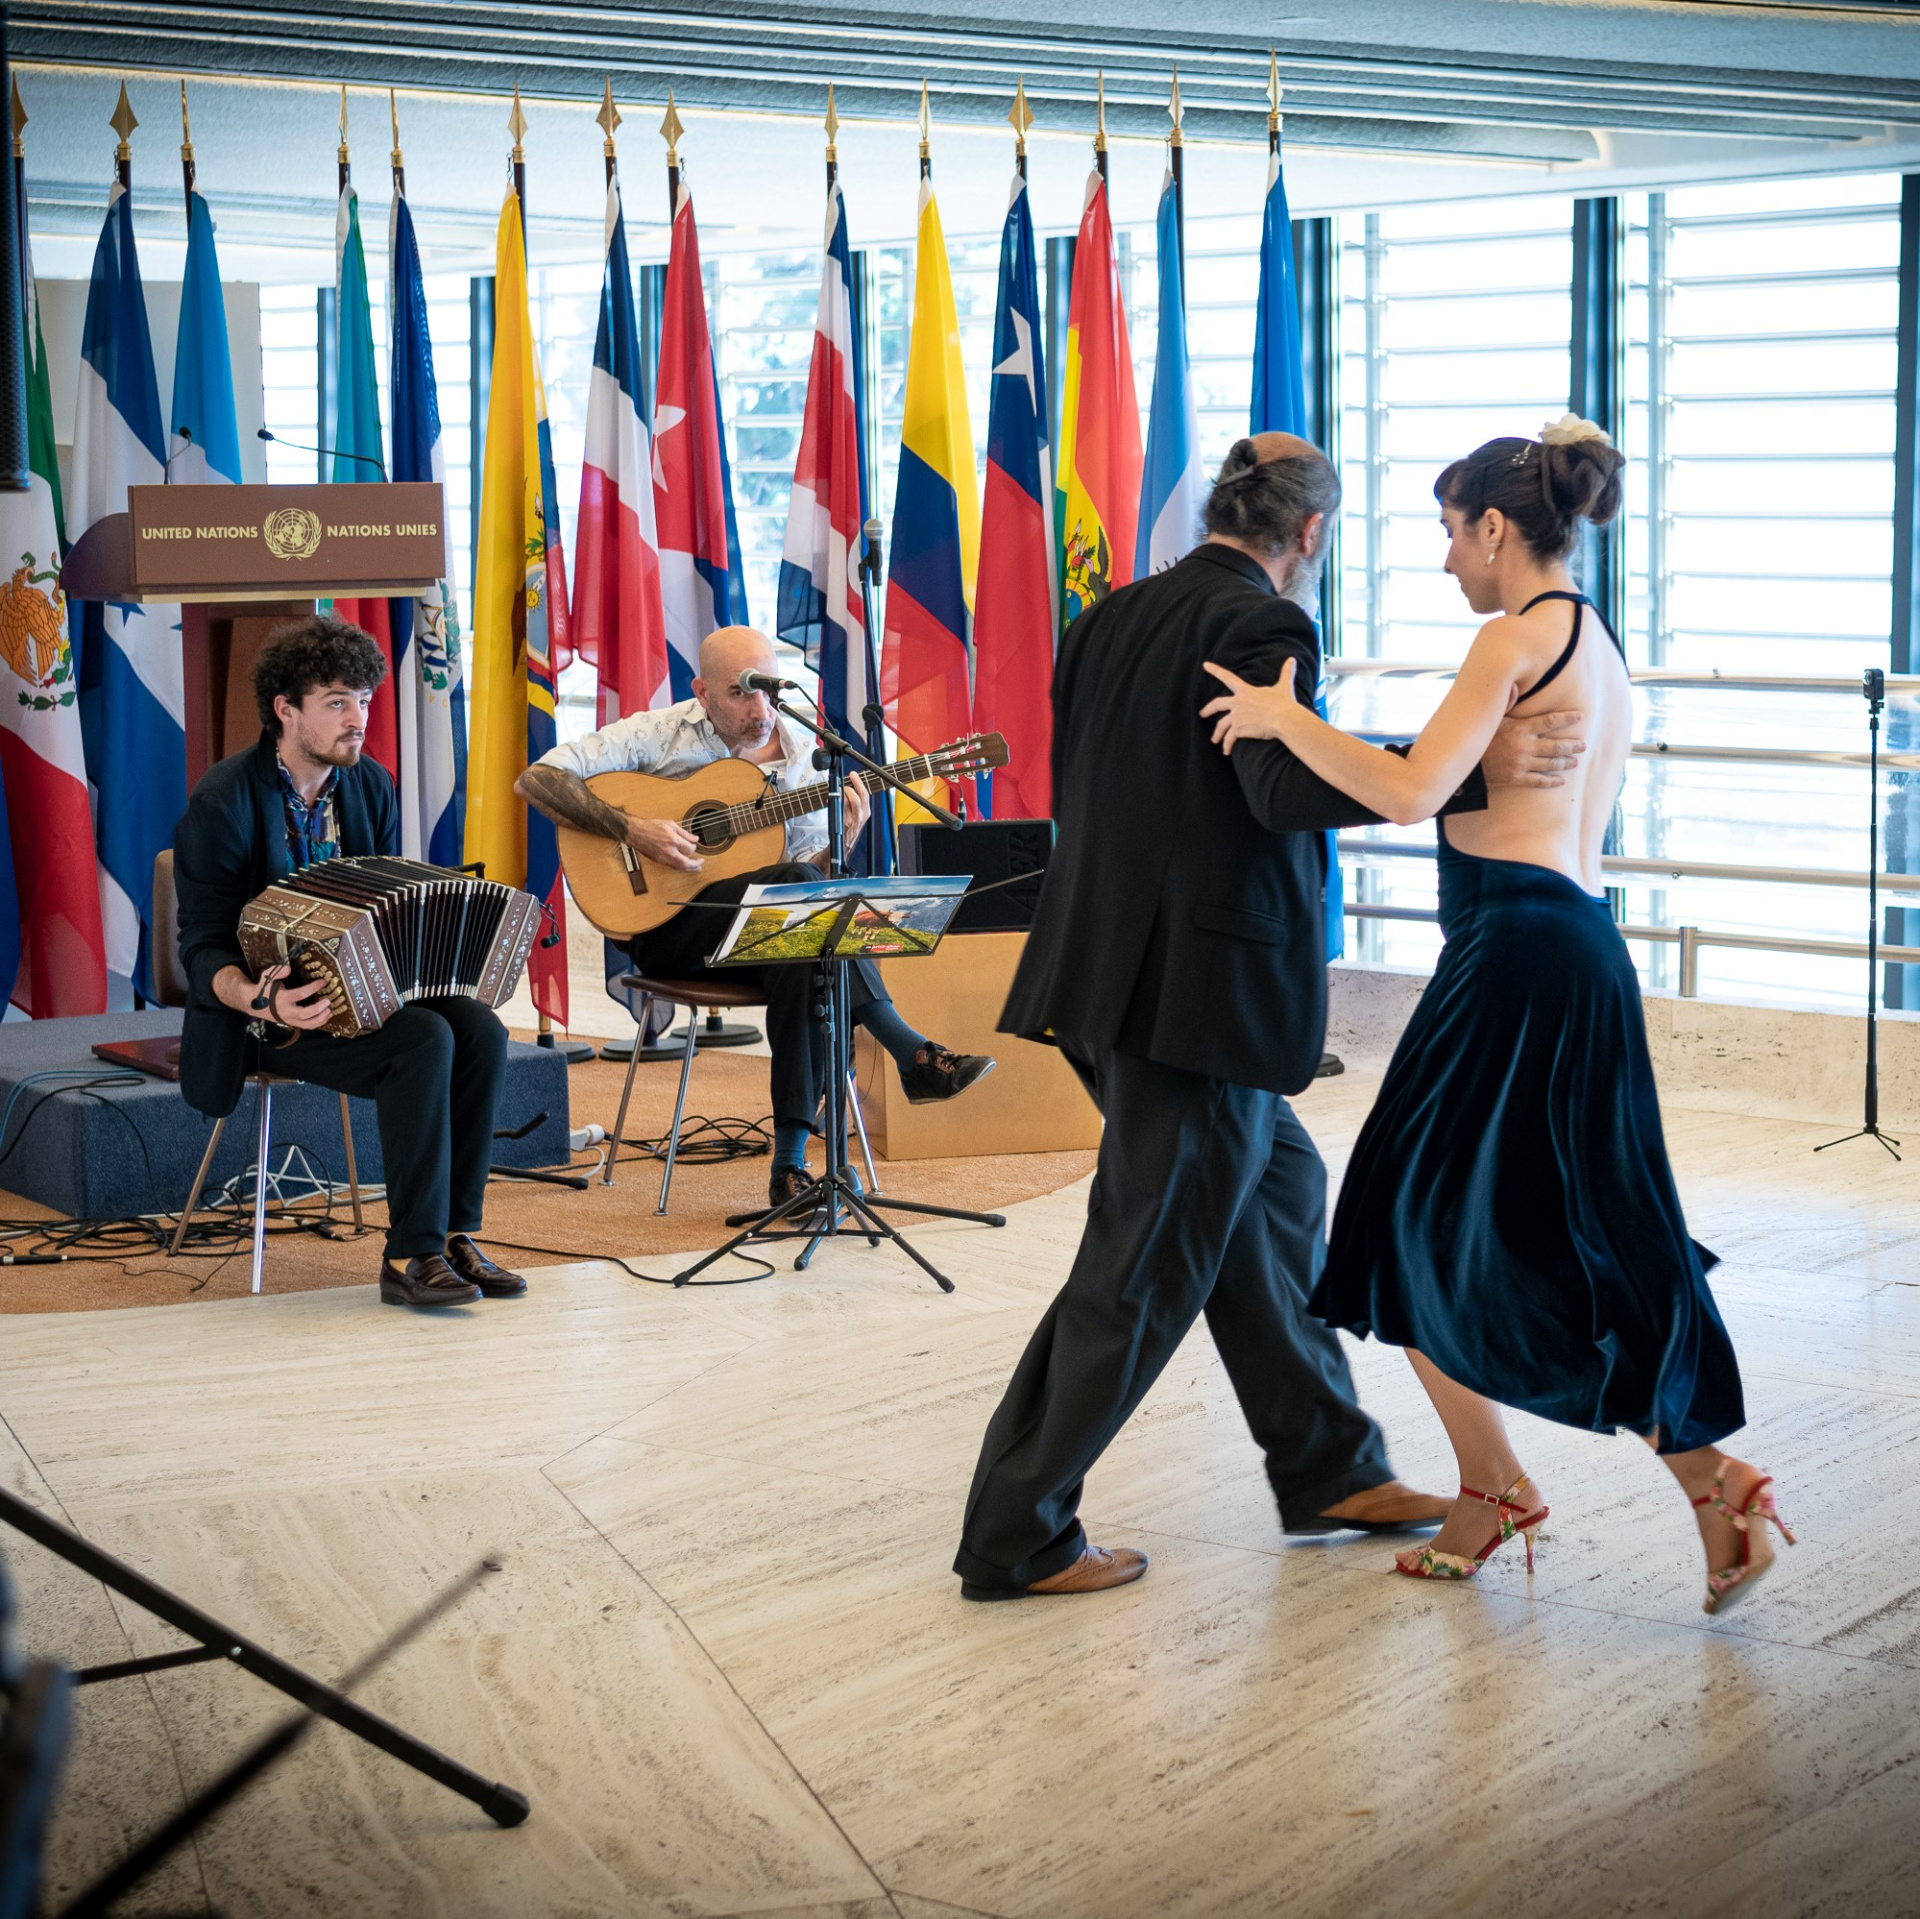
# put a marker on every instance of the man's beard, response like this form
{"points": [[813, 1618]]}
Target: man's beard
{"points": [[336, 752], [1303, 584]]}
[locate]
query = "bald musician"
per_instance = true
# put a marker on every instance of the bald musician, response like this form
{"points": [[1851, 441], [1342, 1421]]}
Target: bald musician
{"points": [[721, 721]]}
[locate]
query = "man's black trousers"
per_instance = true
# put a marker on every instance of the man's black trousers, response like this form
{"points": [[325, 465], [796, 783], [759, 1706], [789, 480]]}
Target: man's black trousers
{"points": [[1209, 1197], [796, 1036], [434, 1072]]}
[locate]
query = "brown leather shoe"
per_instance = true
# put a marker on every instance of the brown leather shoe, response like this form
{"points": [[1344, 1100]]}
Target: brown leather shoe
{"points": [[477, 1269], [1392, 1508], [1097, 1569], [426, 1281]]}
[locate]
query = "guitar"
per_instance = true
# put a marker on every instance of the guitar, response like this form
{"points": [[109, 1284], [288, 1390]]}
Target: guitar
{"points": [[738, 819]]}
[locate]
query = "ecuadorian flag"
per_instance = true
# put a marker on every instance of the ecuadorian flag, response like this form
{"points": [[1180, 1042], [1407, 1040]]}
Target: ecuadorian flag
{"points": [[924, 667]]}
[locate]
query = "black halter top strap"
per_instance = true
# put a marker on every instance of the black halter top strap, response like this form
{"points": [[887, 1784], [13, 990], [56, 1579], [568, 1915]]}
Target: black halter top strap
{"points": [[1581, 604]]}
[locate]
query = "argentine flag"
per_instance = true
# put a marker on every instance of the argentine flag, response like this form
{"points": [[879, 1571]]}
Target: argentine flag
{"points": [[1173, 484], [205, 439], [133, 701]]}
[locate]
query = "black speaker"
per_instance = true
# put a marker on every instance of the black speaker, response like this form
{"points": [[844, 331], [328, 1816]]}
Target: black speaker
{"points": [[986, 851]]}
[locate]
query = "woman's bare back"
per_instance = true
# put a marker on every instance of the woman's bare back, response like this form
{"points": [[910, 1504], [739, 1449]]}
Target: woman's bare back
{"points": [[1561, 827]]}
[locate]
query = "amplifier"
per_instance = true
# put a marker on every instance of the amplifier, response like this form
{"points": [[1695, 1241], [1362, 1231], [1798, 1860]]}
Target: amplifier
{"points": [[985, 851]]}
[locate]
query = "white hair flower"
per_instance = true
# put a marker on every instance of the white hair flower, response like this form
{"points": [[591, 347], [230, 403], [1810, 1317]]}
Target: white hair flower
{"points": [[1570, 429]]}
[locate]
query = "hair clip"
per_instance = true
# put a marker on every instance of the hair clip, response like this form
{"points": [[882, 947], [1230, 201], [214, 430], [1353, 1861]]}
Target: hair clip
{"points": [[1524, 455]]}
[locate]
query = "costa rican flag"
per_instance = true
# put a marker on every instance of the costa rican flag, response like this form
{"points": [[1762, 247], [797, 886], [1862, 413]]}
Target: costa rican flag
{"points": [[701, 583], [822, 607], [619, 623], [132, 688]]}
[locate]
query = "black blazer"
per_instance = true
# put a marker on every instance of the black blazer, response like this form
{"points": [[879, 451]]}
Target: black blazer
{"points": [[230, 844], [1181, 919]]}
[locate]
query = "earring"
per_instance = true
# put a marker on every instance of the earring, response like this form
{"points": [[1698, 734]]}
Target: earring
{"points": [[1491, 551]]}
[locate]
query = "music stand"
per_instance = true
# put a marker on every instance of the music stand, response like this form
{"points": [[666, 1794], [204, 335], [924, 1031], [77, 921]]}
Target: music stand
{"points": [[846, 918]]}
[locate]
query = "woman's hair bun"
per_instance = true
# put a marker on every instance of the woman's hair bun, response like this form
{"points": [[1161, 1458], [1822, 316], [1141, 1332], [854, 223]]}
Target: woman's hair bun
{"points": [[1546, 487]]}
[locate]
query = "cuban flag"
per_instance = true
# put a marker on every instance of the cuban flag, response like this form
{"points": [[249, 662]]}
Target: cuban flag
{"points": [[1173, 483], [205, 442], [1016, 611], [822, 607], [430, 691], [701, 583], [619, 624], [133, 699]]}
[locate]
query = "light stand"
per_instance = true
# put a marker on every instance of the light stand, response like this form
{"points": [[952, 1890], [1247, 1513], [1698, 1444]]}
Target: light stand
{"points": [[832, 1201], [1873, 685]]}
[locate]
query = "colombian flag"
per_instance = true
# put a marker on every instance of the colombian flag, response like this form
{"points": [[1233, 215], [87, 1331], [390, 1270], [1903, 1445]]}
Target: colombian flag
{"points": [[1097, 491], [924, 677], [516, 624]]}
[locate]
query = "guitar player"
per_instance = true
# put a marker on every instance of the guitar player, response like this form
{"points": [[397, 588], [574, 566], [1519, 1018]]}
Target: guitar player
{"points": [[721, 722]]}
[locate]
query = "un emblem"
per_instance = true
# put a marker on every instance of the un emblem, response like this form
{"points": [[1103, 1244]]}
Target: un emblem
{"points": [[291, 533]]}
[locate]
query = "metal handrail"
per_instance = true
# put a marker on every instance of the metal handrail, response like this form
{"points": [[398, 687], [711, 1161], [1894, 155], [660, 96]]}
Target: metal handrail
{"points": [[1350, 666]]}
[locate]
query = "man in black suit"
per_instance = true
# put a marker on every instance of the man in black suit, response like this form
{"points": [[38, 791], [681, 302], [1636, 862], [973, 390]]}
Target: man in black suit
{"points": [[305, 793], [1178, 959]]}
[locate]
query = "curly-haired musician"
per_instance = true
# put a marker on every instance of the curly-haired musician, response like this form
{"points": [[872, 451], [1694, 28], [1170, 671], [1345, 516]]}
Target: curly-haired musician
{"points": [[305, 793]]}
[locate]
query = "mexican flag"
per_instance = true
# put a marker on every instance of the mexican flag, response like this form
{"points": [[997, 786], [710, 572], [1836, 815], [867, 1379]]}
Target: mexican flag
{"points": [[63, 963]]}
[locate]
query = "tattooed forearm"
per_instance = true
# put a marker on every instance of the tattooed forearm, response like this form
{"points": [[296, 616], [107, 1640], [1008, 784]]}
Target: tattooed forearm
{"points": [[566, 797]]}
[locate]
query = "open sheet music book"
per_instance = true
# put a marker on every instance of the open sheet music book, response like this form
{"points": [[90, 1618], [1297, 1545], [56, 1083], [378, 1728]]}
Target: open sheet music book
{"points": [[840, 919]]}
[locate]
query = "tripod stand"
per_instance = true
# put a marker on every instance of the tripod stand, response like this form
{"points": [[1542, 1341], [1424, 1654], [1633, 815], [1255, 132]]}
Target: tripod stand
{"points": [[1873, 685], [832, 1203]]}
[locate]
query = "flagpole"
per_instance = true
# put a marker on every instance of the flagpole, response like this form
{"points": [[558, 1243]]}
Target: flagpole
{"points": [[670, 131], [123, 123], [1273, 101], [517, 160], [1020, 118], [342, 155], [926, 131], [607, 119], [1100, 127], [396, 159], [833, 152], [1177, 166], [20, 185], [186, 149]]}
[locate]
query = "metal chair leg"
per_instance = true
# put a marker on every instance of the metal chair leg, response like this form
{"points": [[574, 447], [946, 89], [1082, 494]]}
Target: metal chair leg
{"points": [[626, 1091], [860, 1122], [260, 1182], [679, 1107], [199, 1180], [353, 1171]]}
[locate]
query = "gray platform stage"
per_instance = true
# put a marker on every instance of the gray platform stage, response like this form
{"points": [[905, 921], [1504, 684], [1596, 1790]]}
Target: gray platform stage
{"points": [[110, 1151]]}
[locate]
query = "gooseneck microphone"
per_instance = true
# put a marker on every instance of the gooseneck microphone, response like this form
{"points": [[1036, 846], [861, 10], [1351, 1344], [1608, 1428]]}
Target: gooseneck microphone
{"points": [[768, 683], [338, 452]]}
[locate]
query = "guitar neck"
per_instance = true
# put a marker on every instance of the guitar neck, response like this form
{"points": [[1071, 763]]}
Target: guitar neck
{"points": [[772, 809]]}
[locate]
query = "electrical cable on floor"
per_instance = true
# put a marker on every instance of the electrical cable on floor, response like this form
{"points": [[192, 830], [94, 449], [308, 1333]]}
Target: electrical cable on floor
{"points": [[710, 1142]]}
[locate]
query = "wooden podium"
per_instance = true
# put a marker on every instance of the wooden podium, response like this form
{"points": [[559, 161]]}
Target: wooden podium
{"points": [[242, 561]]}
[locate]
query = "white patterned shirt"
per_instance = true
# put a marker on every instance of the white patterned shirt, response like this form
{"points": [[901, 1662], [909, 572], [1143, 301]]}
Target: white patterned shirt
{"points": [[674, 740]]}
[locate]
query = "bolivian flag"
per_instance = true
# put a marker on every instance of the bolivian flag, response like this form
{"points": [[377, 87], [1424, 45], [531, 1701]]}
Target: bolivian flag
{"points": [[924, 666], [1097, 486], [516, 564]]}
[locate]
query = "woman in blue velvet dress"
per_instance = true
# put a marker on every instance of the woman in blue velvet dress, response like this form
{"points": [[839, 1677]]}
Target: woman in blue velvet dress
{"points": [[1509, 1215]]}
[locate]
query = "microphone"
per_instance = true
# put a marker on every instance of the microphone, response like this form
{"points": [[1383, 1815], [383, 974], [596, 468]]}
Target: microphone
{"points": [[339, 452], [186, 435], [768, 683], [870, 566]]}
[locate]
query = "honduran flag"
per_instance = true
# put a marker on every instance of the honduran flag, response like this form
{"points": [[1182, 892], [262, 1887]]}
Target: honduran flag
{"points": [[132, 691], [43, 771], [702, 585], [822, 608], [430, 693], [1016, 614], [205, 440], [358, 454], [925, 665], [619, 623], [1173, 483]]}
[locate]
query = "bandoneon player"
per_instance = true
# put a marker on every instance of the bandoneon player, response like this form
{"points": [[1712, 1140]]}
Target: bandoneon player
{"points": [[306, 793]]}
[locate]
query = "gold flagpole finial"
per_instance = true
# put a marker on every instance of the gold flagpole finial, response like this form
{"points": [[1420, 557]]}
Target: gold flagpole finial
{"points": [[1021, 118], [343, 156], [186, 128], [1273, 91], [19, 122], [608, 118], [517, 126], [926, 124], [1100, 112], [671, 128], [123, 123], [1173, 110], [833, 129], [396, 159]]}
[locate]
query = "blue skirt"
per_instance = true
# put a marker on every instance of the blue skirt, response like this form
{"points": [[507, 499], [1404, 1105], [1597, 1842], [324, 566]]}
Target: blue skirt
{"points": [[1509, 1209]]}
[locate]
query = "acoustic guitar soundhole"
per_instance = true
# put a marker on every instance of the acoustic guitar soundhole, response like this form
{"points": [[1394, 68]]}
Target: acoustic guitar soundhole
{"points": [[708, 824]]}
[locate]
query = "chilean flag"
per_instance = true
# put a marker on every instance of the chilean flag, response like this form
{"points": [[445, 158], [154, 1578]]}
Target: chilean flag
{"points": [[701, 583], [822, 609], [1017, 613], [619, 623]]}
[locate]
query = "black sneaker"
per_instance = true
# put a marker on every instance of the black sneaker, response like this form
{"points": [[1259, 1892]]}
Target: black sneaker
{"points": [[937, 1073]]}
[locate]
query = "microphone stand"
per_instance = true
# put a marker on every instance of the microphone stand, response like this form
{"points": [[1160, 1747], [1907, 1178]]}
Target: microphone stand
{"points": [[832, 1203]]}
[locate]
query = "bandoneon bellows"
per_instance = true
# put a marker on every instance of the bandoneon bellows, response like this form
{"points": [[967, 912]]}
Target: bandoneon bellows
{"points": [[382, 932]]}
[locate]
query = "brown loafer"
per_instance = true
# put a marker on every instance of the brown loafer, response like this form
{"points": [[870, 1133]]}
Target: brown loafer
{"points": [[426, 1281], [1096, 1570], [495, 1282]]}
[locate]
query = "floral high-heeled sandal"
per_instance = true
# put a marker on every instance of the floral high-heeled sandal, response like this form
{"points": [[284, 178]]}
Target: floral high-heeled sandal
{"points": [[1425, 1563], [1744, 1574]]}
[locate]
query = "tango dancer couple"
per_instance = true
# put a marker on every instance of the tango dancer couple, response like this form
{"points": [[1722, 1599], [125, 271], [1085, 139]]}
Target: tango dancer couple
{"points": [[1509, 1215]]}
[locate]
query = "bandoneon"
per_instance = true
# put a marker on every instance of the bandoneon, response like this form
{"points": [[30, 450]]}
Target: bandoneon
{"points": [[382, 932]]}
